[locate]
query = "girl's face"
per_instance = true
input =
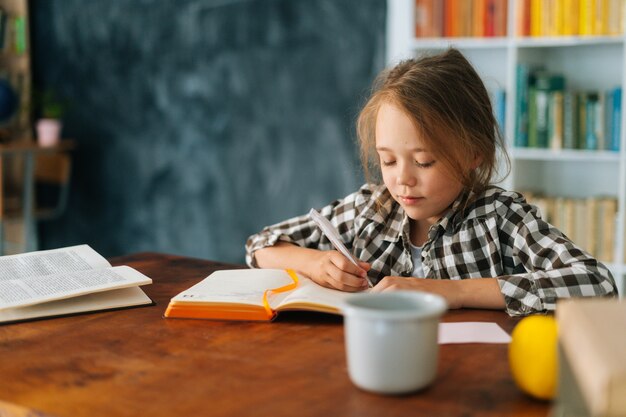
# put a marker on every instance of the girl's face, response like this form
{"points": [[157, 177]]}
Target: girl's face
{"points": [[415, 179]]}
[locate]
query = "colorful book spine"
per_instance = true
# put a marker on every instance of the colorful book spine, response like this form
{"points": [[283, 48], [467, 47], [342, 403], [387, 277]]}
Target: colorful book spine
{"points": [[500, 21], [600, 125], [608, 122], [533, 140], [3, 28], [478, 18], [615, 24], [582, 120], [499, 106], [451, 18], [541, 115], [591, 140], [572, 17], [555, 120], [523, 80], [536, 18], [460, 18], [488, 18], [545, 85], [588, 222], [522, 18], [20, 34], [570, 120], [616, 120], [586, 17]]}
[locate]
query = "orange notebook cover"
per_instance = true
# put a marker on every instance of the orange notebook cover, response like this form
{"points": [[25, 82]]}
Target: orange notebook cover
{"points": [[253, 294]]}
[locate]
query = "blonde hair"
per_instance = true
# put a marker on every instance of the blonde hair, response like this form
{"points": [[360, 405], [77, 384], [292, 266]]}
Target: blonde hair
{"points": [[450, 107]]}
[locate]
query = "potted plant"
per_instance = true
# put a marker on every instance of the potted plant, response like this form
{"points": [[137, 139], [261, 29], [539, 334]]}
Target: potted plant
{"points": [[49, 126]]}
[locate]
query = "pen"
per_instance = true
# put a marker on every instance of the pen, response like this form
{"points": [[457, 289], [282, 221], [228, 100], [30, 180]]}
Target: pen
{"points": [[332, 235]]}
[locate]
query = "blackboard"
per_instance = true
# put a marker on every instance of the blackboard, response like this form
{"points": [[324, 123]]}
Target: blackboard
{"points": [[198, 122]]}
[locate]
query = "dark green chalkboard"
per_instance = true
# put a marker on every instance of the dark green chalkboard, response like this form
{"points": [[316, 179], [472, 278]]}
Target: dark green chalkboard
{"points": [[197, 122]]}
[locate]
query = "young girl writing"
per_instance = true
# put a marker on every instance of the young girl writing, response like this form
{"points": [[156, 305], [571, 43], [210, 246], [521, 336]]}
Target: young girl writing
{"points": [[435, 223]]}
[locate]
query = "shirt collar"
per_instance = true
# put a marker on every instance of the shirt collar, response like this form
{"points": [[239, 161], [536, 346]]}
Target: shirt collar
{"points": [[455, 215]]}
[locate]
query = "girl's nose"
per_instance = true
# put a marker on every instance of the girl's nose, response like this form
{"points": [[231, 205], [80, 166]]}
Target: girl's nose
{"points": [[406, 177]]}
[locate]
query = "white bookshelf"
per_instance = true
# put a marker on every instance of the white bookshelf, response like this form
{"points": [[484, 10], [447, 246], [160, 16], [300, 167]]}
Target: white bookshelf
{"points": [[588, 63]]}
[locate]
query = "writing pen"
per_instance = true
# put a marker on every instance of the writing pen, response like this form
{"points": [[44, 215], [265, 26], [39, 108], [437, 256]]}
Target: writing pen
{"points": [[331, 233]]}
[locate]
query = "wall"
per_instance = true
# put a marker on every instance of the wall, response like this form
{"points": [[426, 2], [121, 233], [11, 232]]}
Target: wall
{"points": [[198, 122]]}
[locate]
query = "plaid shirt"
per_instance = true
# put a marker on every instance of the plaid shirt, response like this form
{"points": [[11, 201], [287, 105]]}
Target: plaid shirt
{"points": [[493, 234]]}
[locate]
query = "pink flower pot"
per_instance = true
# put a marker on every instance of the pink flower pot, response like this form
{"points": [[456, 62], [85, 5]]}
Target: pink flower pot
{"points": [[48, 132]]}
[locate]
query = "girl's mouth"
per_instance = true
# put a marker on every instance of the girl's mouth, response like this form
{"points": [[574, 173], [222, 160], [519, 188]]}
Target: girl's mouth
{"points": [[410, 200]]}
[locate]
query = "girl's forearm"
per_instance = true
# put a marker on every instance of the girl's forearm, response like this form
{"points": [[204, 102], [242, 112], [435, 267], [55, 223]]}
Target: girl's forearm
{"points": [[480, 293], [286, 255]]}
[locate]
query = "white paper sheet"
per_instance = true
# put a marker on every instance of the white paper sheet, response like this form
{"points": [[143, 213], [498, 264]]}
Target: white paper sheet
{"points": [[472, 332]]}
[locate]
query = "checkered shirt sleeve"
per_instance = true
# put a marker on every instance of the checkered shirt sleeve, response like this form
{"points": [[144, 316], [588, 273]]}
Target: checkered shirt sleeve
{"points": [[555, 267], [302, 231], [501, 235]]}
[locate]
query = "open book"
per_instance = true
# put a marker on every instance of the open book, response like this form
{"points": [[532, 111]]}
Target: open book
{"points": [[253, 294], [65, 281]]}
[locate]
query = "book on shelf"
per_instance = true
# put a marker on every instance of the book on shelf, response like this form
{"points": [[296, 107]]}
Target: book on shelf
{"points": [[570, 120], [13, 33], [65, 281], [479, 14], [253, 294], [525, 81], [20, 29], [589, 222], [460, 18], [547, 115], [592, 136], [539, 107], [555, 119], [615, 123], [429, 16], [570, 17], [533, 128], [583, 98], [3, 28], [499, 108], [538, 18], [522, 17]]}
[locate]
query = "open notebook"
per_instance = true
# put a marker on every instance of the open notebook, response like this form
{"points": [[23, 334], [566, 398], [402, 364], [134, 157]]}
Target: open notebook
{"points": [[253, 294]]}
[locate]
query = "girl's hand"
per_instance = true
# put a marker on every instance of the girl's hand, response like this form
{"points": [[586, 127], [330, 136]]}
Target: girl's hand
{"points": [[333, 270], [448, 289]]}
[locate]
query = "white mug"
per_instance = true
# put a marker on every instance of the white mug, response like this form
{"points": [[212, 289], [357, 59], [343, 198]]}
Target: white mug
{"points": [[391, 340]]}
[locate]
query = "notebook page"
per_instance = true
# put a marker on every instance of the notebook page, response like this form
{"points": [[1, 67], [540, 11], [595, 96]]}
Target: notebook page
{"points": [[237, 286], [310, 293]]}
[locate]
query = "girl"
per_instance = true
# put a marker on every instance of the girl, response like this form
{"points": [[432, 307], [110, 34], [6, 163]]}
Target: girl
{"points": [[435, 223]]}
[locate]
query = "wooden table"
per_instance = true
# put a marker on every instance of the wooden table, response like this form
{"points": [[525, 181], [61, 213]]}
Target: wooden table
{"points": [[135, 363]]}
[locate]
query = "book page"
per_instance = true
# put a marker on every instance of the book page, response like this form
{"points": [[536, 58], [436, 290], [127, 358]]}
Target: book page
{"points": [[39, 289], [311, 296], [237, 286], [49, 262], [105, 300]]}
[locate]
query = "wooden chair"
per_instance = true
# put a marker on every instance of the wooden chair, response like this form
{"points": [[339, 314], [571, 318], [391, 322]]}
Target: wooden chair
{"points": [[40, 193], [52, 183]]}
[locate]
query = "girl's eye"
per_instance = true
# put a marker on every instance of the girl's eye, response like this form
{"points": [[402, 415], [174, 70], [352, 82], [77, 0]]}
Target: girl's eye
{"points": [[388, 163], [424, 165]]}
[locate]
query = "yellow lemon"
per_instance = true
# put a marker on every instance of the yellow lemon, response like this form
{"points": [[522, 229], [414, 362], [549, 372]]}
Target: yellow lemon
{"points": [[533, 356]]}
